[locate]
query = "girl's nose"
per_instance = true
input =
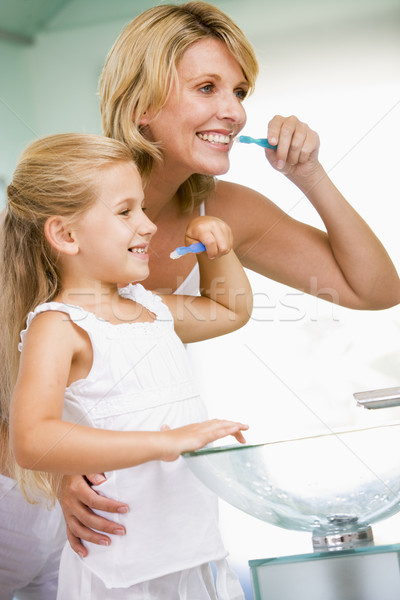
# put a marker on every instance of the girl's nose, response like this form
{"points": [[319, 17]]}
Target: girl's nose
{"points": [[147, 227]]}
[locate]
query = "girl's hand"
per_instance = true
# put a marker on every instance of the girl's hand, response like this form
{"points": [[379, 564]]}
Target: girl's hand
{"points": [[298, 145], [215, 234], [195, 436]]}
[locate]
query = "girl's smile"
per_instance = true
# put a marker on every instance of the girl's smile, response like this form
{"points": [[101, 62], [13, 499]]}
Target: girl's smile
{"points": [[141, 252]]}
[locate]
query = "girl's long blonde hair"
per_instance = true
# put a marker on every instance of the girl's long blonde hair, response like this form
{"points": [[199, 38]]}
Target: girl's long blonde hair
{"points": [[55, 175], [142, 67]]}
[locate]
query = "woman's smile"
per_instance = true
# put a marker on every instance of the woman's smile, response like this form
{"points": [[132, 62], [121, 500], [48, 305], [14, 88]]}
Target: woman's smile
{"points": [[220, 141]]}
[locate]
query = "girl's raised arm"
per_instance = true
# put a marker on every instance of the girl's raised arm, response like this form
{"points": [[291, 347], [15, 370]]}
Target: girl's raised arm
{"points": [[226, 300]]}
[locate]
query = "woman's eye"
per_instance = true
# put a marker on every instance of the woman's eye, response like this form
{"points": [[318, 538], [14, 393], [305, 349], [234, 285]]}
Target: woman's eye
{"points": [[241, 93], [207, 89], [124, 213]]}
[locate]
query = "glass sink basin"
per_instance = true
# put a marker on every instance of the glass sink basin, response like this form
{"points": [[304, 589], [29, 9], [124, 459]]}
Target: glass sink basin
{"points": [[324, 484]]}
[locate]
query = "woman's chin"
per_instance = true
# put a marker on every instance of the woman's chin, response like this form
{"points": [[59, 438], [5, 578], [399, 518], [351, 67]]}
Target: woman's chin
{"points": [[215, 170]]}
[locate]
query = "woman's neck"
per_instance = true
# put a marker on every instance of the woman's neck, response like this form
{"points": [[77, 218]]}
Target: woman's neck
{"points": [[161, 190]]}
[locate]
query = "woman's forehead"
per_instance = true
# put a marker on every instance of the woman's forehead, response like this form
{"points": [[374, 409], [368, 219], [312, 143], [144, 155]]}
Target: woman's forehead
{"points": [[207, 55]]}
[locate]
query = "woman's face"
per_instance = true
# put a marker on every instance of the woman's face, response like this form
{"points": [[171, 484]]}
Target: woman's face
{"points": [[203, 113]]}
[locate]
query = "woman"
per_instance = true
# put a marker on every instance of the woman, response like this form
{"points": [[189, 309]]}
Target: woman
{"points": [[172, 88]]}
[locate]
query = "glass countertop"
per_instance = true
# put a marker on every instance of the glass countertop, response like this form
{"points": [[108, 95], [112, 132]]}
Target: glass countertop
{"points": [[322, 483]]}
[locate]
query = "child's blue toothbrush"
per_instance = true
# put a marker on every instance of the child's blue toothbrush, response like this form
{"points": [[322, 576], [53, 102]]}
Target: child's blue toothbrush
{"points": [[182, 250], [263, 142]]}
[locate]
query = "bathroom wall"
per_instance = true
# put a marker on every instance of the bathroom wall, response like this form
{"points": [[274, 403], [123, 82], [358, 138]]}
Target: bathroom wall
{"points": [[50, 87], [16, 112]]}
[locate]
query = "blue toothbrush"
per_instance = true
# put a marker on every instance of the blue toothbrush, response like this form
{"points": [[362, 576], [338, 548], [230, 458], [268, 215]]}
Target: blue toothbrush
{"points": [[263, 142], [182, 250]]}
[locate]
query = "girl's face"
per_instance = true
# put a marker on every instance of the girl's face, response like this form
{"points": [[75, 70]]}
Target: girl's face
{"points": [[203, 113], [114, 234]]}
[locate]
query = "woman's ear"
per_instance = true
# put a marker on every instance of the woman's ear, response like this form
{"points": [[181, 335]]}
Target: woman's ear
{"points": [[145, 118], [60, 235]]}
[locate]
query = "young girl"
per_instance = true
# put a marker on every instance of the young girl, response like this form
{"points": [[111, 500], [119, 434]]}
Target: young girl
{"points": [[103, 382]]}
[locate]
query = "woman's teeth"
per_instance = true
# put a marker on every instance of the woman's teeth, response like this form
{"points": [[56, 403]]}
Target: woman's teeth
{"points": [[214, 138], [138, 250]]}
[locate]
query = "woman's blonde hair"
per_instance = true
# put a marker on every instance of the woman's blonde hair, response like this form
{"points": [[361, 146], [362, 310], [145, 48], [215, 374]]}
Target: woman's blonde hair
{"points": [[55, 175], [142, 66]]}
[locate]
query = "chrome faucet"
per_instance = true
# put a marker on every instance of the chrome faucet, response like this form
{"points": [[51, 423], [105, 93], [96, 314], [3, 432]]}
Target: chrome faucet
{"points": [[384, 398]]}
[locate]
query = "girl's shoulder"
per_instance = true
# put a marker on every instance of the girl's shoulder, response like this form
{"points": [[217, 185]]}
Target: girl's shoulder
{"points": [[49, 320]]}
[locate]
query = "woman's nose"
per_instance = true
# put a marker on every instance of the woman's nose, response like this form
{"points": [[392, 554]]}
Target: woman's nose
{"points": [[231, 108]]}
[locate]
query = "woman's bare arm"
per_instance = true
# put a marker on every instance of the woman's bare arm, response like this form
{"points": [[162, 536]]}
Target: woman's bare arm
{"points": [[345, 264]]}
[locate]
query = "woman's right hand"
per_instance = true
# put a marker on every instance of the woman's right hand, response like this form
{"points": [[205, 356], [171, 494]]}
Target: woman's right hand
{"points": [[297, 152], [77, 499]]}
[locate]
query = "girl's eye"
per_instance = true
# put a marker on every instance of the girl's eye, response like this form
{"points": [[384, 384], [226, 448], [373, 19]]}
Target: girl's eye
{"points": [[124, 213]]}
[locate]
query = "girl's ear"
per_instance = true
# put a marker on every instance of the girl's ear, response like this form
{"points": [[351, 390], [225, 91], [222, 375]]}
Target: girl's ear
{"points": [[60, 235]]}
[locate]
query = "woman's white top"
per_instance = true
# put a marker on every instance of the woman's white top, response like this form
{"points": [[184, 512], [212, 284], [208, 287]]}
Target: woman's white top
{"points": [[32, 539], [191, 285], [140, 380]]}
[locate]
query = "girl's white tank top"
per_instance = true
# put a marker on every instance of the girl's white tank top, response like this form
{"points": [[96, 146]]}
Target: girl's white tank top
{"points": [[140, 380]]}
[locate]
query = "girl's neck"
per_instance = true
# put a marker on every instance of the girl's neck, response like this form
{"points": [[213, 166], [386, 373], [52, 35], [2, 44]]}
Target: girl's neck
{"points": [[93, 297]]}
